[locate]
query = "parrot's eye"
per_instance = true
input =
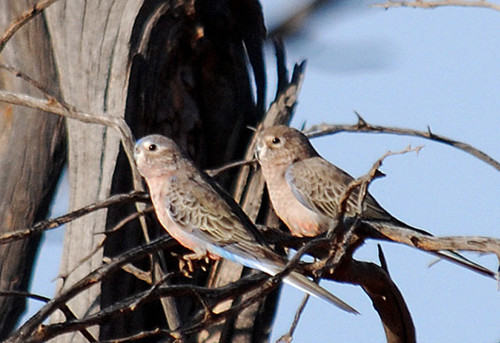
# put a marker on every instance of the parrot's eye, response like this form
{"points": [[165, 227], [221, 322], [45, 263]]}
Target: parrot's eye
{"points": [[276, 140], [152, 147]]}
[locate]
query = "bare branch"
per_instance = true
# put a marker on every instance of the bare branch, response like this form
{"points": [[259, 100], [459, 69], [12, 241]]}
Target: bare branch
{"points": [[25, 17], [55, 222], [55, 106], [442, 3], [363, 126], [433, 243]]}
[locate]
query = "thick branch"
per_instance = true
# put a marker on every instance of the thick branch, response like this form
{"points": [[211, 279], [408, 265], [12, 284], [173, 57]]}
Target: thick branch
{"points": [[386, 298]]}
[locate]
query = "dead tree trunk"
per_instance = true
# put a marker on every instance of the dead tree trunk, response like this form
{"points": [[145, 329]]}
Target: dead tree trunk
{"points": [[32, 153], [173, 67]]}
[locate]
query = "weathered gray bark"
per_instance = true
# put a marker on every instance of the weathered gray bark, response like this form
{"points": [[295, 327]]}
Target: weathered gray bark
{"points": [[90, 43], [32, 153]]}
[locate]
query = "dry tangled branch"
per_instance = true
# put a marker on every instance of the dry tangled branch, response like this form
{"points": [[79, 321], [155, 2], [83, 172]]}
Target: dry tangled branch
{"points": [[363, 126]]}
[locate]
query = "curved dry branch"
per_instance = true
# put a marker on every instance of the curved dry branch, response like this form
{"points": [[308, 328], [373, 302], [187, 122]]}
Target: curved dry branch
{"points": [[25, 17], [386, 298], [53, 105], [66, 218], [363, 126], [441, 3]]}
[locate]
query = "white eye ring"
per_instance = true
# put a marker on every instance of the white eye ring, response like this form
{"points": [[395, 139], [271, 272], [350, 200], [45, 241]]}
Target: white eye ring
{"points": [[152, 147]]}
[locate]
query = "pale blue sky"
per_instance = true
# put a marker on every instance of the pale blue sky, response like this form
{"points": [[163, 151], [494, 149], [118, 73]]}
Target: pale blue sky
{"points": [[408, 68]]}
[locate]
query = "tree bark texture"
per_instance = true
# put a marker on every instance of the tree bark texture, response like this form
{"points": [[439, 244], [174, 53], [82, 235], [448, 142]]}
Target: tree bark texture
{"points": [[32, 154]]}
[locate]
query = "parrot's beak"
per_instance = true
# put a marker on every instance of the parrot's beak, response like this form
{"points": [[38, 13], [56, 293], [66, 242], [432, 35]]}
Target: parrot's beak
{"points": [[259, 150]]}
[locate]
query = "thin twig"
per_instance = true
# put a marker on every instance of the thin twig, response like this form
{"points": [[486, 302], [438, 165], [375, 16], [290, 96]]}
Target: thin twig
{"points": [[135, 271], [435, 4], [4, 293], [127, 220], [362, 184], [363, 126], [114, 229], [29, 80], [65, 309], [131, 303], [214, 172], [25, 17], [287, 338], [142, 336]]}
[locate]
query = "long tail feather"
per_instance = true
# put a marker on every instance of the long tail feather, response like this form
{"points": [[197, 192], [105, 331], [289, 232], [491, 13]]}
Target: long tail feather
{"points": [[298, 281], [455, 257], [303, 283]]}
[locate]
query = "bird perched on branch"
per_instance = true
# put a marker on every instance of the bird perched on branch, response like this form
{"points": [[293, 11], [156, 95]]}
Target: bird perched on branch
{"points": [[202, 217], [305, 190]]}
